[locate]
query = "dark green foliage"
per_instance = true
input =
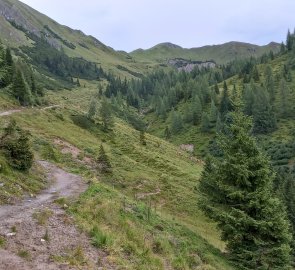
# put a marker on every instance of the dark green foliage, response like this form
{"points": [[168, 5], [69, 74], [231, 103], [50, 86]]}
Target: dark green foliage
{"points": [[92, 110], [248, 98], [21, 90], [213, 113], [289, 41], [269, 83], [285, 100], [237, 194], [142, 138], [196, 110], [263, 114], [216, 88], [103, 161], [106, 115], [56, 62], [15, 144], [218, 125], [176, 122], [205, 124], [255, 74], [225, 104], [6, 66], [167, 133]]}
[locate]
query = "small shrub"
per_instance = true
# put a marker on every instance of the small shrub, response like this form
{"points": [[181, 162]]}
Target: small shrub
{"points": [[16, 145], [42, 217], [103, 162], [98, 238], [24, 254], [2, 242]]}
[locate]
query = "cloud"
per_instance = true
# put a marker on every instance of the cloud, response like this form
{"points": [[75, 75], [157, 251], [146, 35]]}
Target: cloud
{"points": [[131, 24]]}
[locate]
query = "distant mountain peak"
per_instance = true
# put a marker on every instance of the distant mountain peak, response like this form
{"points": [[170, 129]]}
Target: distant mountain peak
{"points": [[168, 45]]}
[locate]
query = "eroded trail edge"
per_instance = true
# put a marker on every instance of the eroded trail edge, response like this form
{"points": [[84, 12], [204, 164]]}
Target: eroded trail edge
{"points": [[38, 234]]}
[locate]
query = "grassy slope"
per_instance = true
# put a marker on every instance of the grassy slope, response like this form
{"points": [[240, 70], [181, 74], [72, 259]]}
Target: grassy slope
{"points": [[193, 134], [219, 53], [96, 51], [152, 232]]}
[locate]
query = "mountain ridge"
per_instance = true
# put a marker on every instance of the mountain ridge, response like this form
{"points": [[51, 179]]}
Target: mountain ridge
{"points": [[221, 53]]}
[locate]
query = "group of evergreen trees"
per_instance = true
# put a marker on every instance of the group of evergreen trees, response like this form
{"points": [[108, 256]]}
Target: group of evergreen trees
{"points": [[56, 62], [20, 79], [237, 193]]}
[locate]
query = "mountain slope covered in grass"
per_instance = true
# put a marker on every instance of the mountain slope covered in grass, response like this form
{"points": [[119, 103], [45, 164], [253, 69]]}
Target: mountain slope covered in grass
{"points": [[19, 21], [221, 54]]}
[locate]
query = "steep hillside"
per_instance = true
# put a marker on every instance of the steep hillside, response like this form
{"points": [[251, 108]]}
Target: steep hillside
{"points": [[144, 214], [221, 54], [19, 21]]}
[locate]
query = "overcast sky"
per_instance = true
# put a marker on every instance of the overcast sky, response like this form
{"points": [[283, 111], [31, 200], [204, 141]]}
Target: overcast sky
{"points": [[131, 24]]}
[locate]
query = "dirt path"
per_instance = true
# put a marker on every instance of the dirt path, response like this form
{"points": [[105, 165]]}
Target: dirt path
{"points": [[10, 112], [40, 235]]}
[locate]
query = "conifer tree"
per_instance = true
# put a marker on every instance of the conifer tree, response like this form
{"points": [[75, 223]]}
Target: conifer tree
{"points": [[269, 83], [21, 90], [237, 194], [106, 115], [255, 74], [103, 161], [205, 124], [196, 110], [235, 94], [263, 114], [15, 142], [248, 98], [8, 57], [216, 88], [285, 100], [167, 133], [142, 138], [225, 104], [218, 125], [289, 42], [176, 124], [213, 113], [282, 48], [92, 110]]}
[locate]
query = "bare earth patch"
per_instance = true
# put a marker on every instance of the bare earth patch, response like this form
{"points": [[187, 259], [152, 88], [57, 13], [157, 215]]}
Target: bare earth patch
{"points": [[40, 235], [67, 148]]}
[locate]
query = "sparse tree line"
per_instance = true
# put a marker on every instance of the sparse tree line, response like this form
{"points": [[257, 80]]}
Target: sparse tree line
{"points": [[251, 199]]}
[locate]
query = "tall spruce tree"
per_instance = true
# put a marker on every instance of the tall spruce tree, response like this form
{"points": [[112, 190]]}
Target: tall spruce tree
{"points": [[196, 108], [176, 122], [205, 124], [285, 106], [263, 114], [103, 161], [213, 113], [21, 90], [225, 104], [269, 83], [106, 115], [236, 192], [248, 98], [92, 110]]}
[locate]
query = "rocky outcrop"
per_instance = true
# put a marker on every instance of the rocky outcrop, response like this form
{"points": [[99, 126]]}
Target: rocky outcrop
{"points": [[188, 65]]}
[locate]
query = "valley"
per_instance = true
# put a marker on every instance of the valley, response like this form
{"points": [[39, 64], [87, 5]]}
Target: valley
{"points": [[166, 158]]}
